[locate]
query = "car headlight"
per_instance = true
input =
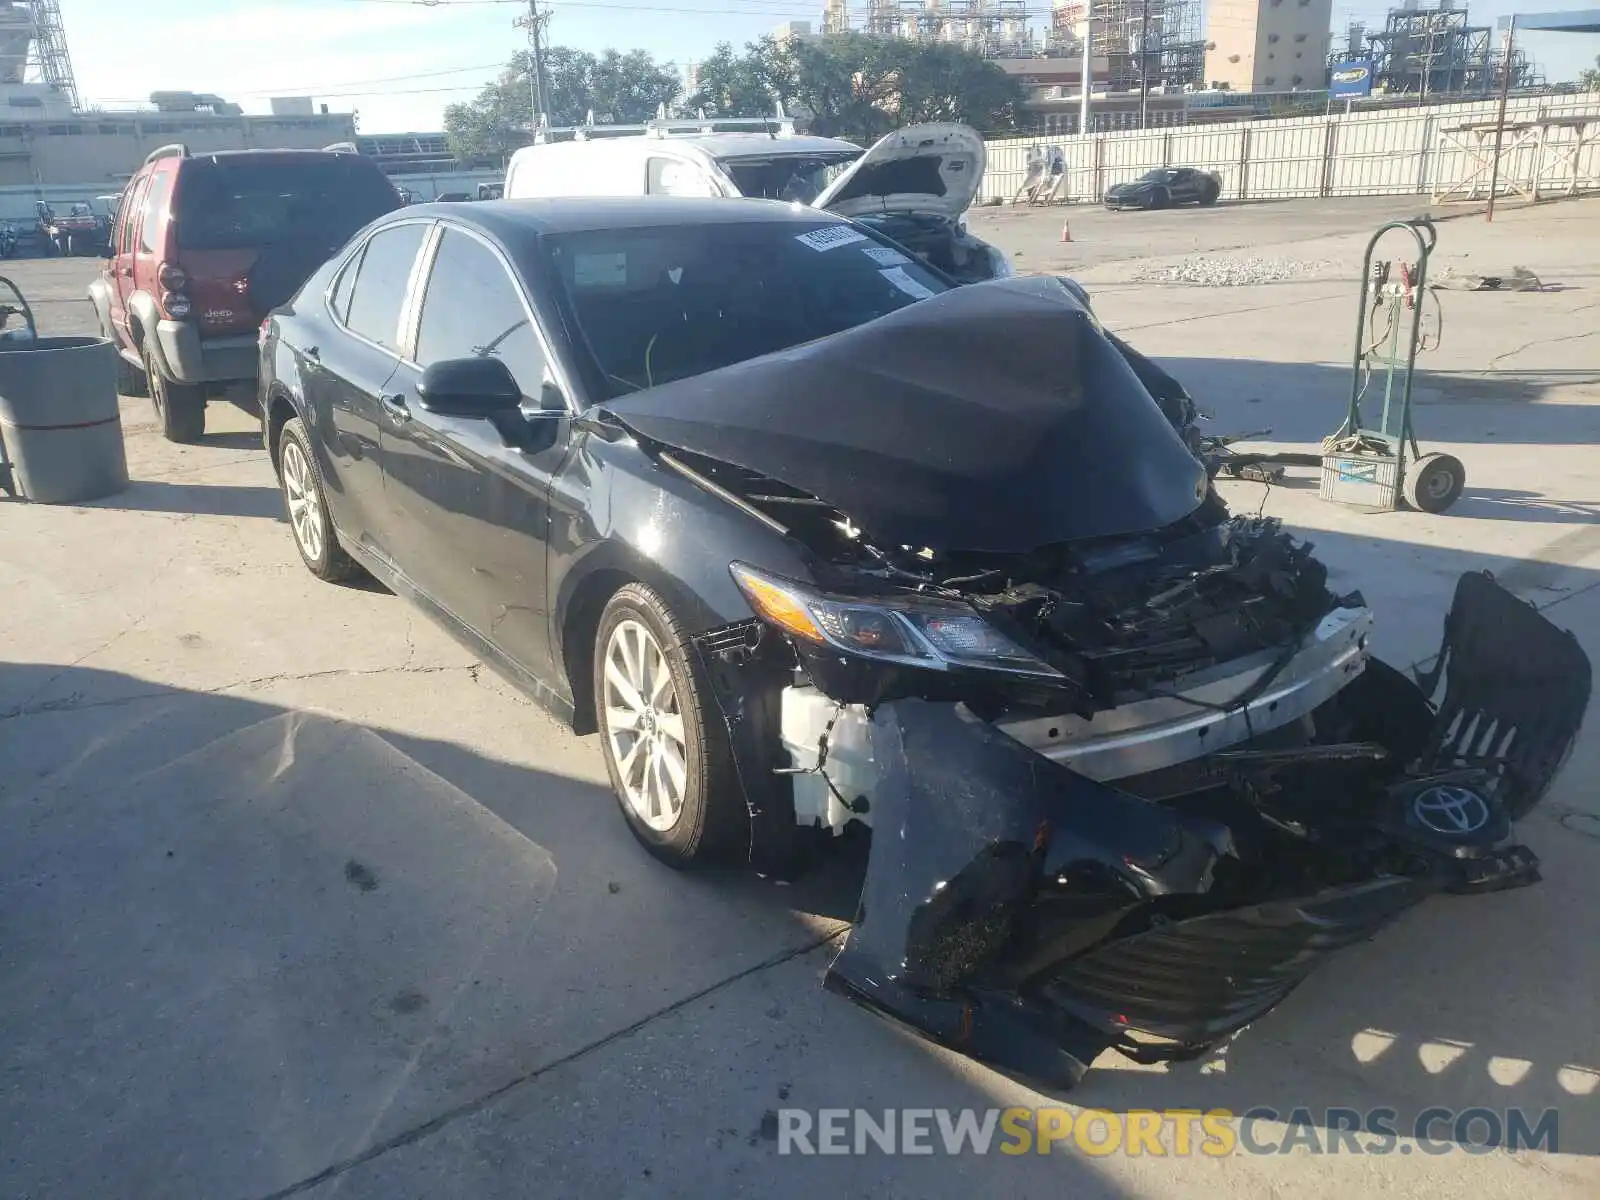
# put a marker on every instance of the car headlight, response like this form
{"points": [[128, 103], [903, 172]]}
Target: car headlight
{"points": [[917, 630]]}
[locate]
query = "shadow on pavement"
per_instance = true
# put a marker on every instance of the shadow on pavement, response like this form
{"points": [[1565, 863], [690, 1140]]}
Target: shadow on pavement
{"points": [[1304, 402], [200, 499]]}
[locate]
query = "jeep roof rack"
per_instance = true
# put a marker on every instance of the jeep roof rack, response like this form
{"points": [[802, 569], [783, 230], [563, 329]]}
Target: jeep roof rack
{"points": [[662, 126], [170, 150]]}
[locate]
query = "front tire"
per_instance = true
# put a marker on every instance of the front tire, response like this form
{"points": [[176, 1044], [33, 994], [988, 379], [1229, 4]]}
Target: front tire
{"points": [[306, 504], [131, 381], [665, 746], [180, 407]]}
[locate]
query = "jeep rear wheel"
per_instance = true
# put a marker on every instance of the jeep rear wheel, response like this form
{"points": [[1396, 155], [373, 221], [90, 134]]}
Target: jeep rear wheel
{"points": [[180, 407]]}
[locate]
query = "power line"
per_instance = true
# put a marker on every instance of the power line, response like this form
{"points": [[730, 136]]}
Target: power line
{"points": [[313, 90]]}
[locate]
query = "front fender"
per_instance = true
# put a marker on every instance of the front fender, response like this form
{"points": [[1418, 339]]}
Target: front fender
{"points": [[618, 512]]}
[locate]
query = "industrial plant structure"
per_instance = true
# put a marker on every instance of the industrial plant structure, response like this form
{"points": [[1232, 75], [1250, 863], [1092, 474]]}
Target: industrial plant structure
{"points": [[1146, 44], [1428, 51]]}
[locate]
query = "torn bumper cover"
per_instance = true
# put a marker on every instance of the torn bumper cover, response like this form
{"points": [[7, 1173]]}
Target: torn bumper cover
{"points": [[1032, 917]]}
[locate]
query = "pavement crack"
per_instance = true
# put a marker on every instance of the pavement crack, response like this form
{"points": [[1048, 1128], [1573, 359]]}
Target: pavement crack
{"points": [[1552, 341], [476, 1105]]}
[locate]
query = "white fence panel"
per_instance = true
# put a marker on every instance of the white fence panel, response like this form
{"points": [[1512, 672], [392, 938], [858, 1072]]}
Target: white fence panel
{"points": [[1384, 152]]}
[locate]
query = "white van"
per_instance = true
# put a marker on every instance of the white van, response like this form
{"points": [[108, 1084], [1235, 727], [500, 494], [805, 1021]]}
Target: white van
{"points": [[914, 186]]}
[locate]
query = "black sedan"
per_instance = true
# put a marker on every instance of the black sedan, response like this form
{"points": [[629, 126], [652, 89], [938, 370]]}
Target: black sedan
{"points": [[1166, 187], [815, 539]]}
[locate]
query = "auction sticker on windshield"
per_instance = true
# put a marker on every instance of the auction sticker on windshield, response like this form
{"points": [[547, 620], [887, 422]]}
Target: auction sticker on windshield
{"points": [[886, 256], [600, 270], [906, 284], [830, 237]]}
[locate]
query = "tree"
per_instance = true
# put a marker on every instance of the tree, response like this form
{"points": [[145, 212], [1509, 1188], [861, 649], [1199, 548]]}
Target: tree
{"points": [[1589, 80], [614, 86], [847, 85], [861, 87], [750, 84]]}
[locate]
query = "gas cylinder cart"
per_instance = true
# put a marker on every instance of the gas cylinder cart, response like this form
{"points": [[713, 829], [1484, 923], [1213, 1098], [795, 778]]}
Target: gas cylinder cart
{"points": [[1367, 465]]}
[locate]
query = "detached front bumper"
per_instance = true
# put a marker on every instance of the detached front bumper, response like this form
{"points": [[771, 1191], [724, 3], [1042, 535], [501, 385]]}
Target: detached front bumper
{"points": [[1021, 912]]}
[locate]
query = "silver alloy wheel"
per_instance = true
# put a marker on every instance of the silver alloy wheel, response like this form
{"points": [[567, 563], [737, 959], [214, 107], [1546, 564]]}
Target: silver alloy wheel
{"points": [[300, 490], [644, 726]]}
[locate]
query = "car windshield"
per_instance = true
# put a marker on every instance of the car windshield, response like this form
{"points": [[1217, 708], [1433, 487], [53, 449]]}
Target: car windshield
{"points": [[227, 205], [1159, 175], [794, 177], [660, 303]]}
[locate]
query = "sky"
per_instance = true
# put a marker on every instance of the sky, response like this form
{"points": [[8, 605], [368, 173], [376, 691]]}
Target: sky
{"points": [[397, 63]]}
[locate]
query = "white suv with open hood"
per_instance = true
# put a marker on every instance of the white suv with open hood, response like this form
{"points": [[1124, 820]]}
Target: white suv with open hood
{"points": [[914, 186]]}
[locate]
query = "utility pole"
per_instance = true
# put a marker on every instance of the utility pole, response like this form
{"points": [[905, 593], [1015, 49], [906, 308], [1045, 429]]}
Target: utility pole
{"points": [[1086, 73], [1500, 117], [1144, 67], [534, 22]]}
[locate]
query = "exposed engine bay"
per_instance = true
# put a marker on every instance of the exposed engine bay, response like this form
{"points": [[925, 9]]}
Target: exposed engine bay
{"points": [[1130, 767], [945, 243]]}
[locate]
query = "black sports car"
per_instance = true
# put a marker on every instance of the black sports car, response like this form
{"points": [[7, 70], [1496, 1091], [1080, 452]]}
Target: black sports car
{"points": [[1166, 187], [815, 539]]}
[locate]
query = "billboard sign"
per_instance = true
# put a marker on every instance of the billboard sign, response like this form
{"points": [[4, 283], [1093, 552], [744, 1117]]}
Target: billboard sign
{"points": [[1351, 78]]}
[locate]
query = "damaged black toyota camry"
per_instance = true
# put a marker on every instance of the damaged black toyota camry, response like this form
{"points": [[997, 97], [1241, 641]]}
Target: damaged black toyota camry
{"points": [[817, 540]]}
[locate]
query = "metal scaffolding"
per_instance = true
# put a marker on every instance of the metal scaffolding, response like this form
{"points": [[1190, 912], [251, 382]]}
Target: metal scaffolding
{"points": [[33, 47], [1434, 51], [996, 28], [1144, 42]]}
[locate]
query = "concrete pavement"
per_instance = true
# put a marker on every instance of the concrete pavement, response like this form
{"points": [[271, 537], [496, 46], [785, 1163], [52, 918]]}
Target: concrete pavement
{"points": [[295, 898]]}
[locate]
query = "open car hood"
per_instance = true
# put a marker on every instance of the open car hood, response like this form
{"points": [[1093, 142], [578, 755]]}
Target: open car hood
{"points": [[995, 417], [933, 168]]}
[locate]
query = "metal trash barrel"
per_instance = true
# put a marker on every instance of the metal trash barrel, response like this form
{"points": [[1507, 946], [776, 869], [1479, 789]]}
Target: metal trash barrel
{"points": [[59, 418]]}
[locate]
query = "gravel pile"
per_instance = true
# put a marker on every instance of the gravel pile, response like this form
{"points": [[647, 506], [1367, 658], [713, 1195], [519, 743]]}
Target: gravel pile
{"points": [[1210, 270]]}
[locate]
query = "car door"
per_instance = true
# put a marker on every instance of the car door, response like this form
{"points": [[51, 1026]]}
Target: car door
{"points": [[345, 376], [469, 498], [130, 216], [1185, 185]]}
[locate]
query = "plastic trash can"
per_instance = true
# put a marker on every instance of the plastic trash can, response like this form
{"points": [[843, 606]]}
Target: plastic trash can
{"points": [[59, 418]]}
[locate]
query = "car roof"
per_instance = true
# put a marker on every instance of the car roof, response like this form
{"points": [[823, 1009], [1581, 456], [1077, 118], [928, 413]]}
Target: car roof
{"points": [[518, 221], [720, 145]]}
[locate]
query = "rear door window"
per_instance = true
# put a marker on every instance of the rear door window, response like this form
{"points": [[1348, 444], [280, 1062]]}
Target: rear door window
{"points": [[379, 292], [155, 207], [670, 177], [130, 214], [242, 204], [343, 286], [473, 309]]}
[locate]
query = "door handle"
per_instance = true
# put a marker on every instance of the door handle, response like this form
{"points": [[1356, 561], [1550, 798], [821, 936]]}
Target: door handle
{"points": [[395, 405], [312, 353]]}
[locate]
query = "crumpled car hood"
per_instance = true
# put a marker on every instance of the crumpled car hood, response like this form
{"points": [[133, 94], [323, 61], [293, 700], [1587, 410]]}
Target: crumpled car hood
{"points": [[991, 418]]}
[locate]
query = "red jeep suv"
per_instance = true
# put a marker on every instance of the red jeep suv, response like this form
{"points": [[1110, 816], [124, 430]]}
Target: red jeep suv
{"points": [[204, 246]]}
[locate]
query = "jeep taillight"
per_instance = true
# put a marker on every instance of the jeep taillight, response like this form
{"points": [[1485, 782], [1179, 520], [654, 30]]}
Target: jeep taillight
{"points": [[174, 298]]}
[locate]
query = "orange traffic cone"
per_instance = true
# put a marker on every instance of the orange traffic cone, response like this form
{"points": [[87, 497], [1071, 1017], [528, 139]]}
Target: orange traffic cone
{"points": [[1066, 231]]}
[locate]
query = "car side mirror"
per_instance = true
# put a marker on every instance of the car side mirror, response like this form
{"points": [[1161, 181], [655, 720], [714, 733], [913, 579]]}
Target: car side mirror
{"points": [[479, 388]]}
